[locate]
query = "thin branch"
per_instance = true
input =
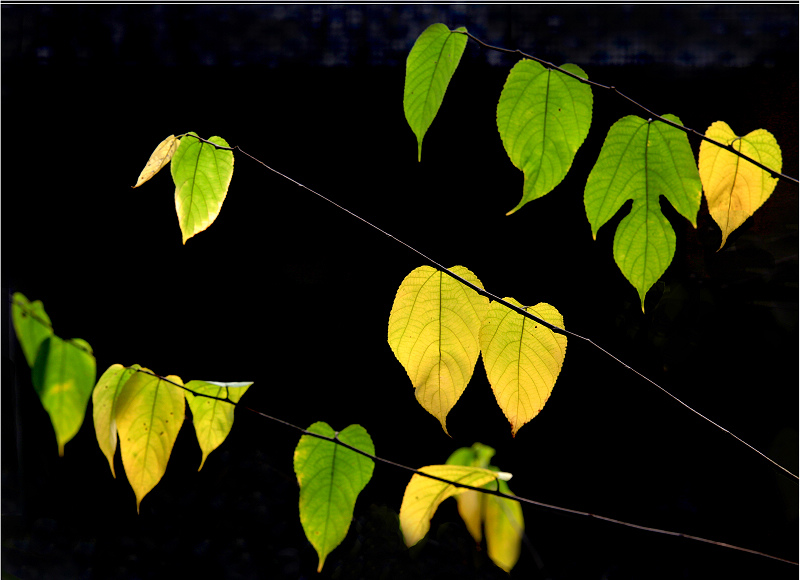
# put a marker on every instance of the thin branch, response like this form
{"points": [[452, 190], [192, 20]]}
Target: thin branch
{"points": [[772, 172]]}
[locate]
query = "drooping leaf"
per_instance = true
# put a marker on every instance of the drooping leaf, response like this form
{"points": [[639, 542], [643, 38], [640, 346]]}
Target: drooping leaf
{"points": [[430, 66], [31, 324], [423, 495], [212, 418], [434, 331], [543, 117], [63, 376], [202, 174], [104, 399], [149, 414], [643, 160], [159, 158], [471, 503], [330, 478], [522, 358], [735, 188]]}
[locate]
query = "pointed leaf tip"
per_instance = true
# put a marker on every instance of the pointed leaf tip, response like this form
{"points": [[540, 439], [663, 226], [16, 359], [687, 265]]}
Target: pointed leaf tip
{"points": [[158, 159]]}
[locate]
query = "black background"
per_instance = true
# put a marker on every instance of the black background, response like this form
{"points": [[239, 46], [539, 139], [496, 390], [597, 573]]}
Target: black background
{"points": [[292, 293]]}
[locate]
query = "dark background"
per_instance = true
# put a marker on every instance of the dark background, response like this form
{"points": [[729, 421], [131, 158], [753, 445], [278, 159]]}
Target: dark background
{"points": [[290, 292]]}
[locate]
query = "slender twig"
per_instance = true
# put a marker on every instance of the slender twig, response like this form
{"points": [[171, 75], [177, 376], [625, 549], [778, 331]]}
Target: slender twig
{"points": [[772, 172]]}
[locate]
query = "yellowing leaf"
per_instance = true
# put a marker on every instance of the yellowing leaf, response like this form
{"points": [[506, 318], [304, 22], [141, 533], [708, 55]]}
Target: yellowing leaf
{"points": [[202, 174], [330, 478], [504, 526], [63, 376], [104, 398], [522, 358], [149, 414], [423, 495], [735, 188], [434, 331], [31, 324], [212, 418], [160, 157]]}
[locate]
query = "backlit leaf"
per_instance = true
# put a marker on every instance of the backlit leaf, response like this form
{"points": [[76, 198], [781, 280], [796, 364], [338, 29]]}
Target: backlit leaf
{"points": [[63, 376], [434, 331], [160, 157], [104, 399], [31, 324], [543, 117], [423, 495], [430, 66], [643, 160], [149, 414], [330, 478], [735, 188], [522, 358], [212, 418], [202, 174]]}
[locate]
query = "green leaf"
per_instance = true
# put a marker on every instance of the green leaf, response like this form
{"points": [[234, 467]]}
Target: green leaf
{"points": [[104, 400], [31, 324], [543, 117], [63, 376], [202, 174], [212, 418], [149, 414], [434, 331], [642, 160], [522, 358], [330, 478], [430, 66]]}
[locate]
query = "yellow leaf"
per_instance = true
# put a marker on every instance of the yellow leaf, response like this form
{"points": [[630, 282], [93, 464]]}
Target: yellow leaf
{"points": [[104, 399], [434, 331], [160, 157], [423, 495], [149, 414], [470, 508], [735, 188], [504, 526], [522, 358]]}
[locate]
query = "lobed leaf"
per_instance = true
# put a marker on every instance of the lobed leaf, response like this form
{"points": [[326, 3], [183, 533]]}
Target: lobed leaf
{"points": [[31, 324], [149, 414], [104, 400], [202, 174], [735, 188], [543, 117], [430, 66], [522, 358], [212, 418], [158, 159], [434, 329], [643, 160], [330, 478], [63, 376]]}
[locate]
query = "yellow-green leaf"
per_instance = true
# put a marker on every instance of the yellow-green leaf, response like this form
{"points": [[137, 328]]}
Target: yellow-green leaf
{"points": [[735, 188], [149, 414], [213, 418], [31, 324], [434, 331], [522, 358], [504, 526], [104, 399], [160, 157], [202, 174], [330, 478], [423, 495], [63, 376]]}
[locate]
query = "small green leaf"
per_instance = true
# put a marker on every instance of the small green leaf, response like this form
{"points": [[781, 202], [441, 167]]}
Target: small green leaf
{"points": [[643, 160], [430, 66], [31, 324], [104, 400], [212, 418], [330, 478], [63, 376], [202, 174], [543, 117]]}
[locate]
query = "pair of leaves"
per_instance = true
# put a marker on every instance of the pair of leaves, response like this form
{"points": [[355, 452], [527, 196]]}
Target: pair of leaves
{"points": [[202, 174], [438, 327], [63, 371], [146, 413]]}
